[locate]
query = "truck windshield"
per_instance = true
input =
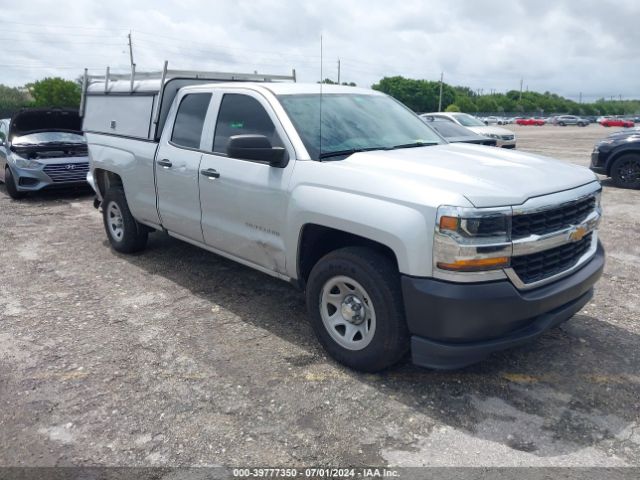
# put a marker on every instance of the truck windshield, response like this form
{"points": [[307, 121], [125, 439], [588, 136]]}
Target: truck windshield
{"points": [[355, 122]]}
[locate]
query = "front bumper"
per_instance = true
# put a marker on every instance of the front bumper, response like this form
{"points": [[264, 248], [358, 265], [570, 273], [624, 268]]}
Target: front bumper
{"points": [[501, 142], [597, 164], [61, 173], [454, 325]]}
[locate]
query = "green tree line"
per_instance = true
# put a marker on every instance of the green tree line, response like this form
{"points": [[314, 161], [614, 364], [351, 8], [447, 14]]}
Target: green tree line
{"points": [[48, 92], [419, 95], [423, 96]]}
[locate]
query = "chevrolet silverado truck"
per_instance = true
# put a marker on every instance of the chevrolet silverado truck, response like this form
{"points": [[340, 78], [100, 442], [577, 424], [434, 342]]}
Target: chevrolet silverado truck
{"points": [[400, 241]]}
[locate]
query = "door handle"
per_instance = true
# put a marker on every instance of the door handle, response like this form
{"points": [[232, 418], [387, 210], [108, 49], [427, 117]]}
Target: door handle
{"points": [[165, 163], [210, 172]]}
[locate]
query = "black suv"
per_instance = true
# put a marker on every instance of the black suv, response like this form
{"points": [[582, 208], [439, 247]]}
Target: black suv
{"points": [[618, 157]]}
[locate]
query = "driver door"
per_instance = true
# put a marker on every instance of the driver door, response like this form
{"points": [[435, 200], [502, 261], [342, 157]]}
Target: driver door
{"points": [[244, 202]]}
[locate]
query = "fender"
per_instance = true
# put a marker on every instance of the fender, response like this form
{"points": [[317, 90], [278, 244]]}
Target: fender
{"points": [[405, 229]]}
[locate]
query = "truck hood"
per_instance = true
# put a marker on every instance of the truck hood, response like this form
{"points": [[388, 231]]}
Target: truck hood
{"points": [[45, 120], [487, 177]]}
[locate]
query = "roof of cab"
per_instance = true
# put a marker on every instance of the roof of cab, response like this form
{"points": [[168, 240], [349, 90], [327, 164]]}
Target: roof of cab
{"points": [[288, 88]]}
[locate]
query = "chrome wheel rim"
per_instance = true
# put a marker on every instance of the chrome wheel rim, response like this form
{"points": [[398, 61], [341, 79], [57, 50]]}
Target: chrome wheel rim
{"points": [[347, 313], [115, 221]]}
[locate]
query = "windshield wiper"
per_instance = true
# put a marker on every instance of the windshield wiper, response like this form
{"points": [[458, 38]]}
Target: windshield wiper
{"points": [[414, 144], [351, 151]]}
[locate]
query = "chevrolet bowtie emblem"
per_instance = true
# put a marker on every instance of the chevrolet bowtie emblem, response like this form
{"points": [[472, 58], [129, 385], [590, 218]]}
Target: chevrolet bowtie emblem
{"points": [[577, 234]]}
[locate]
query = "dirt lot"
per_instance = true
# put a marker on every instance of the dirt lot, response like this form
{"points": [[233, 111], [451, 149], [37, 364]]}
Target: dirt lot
{"points": [[179, 357]]}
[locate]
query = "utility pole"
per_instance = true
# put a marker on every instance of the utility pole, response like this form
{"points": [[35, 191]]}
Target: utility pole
{"points": [[133, 65], [521, 81], [338, 71], [440, 101]]}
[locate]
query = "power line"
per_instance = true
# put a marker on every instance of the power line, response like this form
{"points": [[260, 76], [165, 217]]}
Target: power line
{"points": [[49, 25]]}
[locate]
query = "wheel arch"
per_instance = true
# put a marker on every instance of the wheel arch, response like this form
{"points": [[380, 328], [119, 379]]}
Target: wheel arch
{"points": [[315, 241], [616, 155], [106, 179]]}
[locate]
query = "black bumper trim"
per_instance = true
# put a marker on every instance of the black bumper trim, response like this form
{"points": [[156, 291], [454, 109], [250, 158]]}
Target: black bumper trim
{"points": [[456, 324], [447, 356]]}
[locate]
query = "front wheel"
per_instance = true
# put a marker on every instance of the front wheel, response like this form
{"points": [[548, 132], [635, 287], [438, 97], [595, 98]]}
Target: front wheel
{"points": [[125, 234], [12, 189], [625, 171], [356, 309]]}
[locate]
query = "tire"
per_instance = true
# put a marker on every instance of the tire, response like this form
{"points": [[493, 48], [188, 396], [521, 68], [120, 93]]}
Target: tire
{"points": [[125, 234], [358, 277], [625, 171], [562, 124], [10, 182]]}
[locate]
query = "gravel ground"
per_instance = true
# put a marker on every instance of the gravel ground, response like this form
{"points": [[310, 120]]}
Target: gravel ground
{"points": [[178, 357]]}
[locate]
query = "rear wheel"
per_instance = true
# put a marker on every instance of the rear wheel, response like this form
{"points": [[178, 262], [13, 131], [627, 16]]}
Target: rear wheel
{"points": [[12, 189], [356, 309], [625, 171], [562, 124], [125, 234]]}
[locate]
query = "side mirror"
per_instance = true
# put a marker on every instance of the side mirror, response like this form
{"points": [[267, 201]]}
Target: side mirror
{"points": [[258, 148]]}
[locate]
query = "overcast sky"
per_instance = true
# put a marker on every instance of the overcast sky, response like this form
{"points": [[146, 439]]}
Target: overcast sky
{"points": [[564, 46]]}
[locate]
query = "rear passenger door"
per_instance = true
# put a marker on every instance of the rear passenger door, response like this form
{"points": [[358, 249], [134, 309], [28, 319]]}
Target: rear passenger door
{"points": [[244, 206], [177, 164]]}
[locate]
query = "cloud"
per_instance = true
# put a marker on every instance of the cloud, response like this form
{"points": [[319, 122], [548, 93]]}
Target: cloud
{"points": [[562, 46]]}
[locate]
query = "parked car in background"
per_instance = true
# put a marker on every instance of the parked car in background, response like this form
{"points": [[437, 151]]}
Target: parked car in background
{"points": [[617, 122], [564, 120], [41, 148], [530, 121], [493, 120], [455, 133], [618, 157], [504, 138]]}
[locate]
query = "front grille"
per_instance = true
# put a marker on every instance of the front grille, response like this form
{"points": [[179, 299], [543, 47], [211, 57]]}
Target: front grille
{"points": [[507, 137], [67, 172], [552, 219], [538, 266]]}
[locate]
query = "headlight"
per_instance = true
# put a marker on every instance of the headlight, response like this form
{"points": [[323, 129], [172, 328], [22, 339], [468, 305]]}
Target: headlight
{"points": [[492, 135], [25, 163], [471, 240]]}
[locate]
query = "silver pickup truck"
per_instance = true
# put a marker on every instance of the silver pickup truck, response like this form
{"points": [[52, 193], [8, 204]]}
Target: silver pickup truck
{"points": [[400, 241]]}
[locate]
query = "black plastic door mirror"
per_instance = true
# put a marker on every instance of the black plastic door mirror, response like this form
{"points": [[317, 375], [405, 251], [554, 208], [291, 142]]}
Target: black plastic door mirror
{"points": [[258, 148]]}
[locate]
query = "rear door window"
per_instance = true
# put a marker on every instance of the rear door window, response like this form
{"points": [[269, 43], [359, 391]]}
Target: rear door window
{"points": [[242, 115], [187, 129]]}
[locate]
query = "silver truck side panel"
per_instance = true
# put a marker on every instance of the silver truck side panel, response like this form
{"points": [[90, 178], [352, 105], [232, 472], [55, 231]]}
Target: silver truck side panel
{"points": [[406, 230], [127, 115], [133, 161], [244, 210], [178, 191]]}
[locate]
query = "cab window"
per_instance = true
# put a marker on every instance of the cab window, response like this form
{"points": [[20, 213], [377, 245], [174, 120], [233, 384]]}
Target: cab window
{"points": [[241, 115], [187, 129]]}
